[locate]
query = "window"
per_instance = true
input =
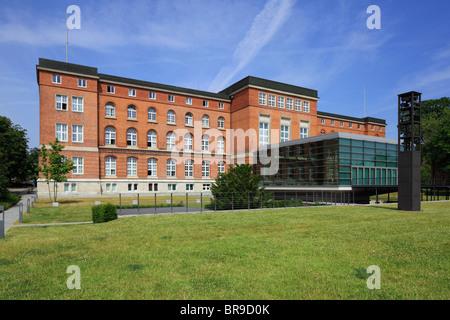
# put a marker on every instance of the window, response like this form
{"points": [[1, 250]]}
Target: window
{"points": [[220, 105], [305, 106], [264, 122], [322, 121], [359, 126], [188, 119], [205, 143], [189, 187], [281, 102], [132, 187], [304, 126], [221, 167], [172, 187], [380, 128], [78, 163], [171, 98], [205, 169], [220, 145], [284, 133], [151, 168], [131, 166], [77, 104], [77, 133], [82, 83], [188, 142], [152, 187], [131, 138], [131, 112], [110, 89], [170, 140], [111, 187], [262, 98], [110, 166], [342, 124], [110, 110], [56, 78], [372, 127], [152, 95], [189, 101], [61, 102], [189, 168], [151, 139], [271, 100], [132, 92], [206, 103], [289, 103], [221, 123], [332, 122], [73, 187], [61, 131], [298, 105], [206, 186], [171, 168], [151, 114], [350, 125], [110, 136], [205, 121], [171, 117]]}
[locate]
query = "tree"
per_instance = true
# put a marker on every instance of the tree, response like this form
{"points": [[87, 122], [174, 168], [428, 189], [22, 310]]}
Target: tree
{"points": [[54, 166], [436, 135], [13, 150], [237, 188]]}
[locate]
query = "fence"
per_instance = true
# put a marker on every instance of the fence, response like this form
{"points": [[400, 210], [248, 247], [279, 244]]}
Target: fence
{"points": [[177, 202]]}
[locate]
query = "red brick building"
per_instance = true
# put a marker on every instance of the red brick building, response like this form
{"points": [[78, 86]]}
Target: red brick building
{"points": [[127, 135]]}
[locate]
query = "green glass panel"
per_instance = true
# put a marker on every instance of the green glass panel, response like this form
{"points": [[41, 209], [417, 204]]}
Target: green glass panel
{"points": [[369, 157], [344, 142], [357, 156], [366, 176], [391, 164], [344, 148], [344, 169], [380, 145], [380, 164], [357, 162], [344, 182], [391, 146], [344, 155], [345, 161], [369, 163], [369, 144], [380, 157], [357, 149], [344, 176], [357, 143]]}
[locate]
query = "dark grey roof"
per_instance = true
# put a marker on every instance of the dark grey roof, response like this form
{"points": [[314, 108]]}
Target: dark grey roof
{"points": [[67, 67], [163, 87], [269, 84], [339, 116]]}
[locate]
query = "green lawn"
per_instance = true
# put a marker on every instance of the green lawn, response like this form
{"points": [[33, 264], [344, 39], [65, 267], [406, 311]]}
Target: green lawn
{"points": [[304, 253]]}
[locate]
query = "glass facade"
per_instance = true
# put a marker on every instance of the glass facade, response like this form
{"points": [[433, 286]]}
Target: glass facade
{"points": [[335, 161]]}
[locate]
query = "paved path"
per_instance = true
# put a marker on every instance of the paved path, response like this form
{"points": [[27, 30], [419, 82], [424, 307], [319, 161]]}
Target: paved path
{"points": [[12, 214]]}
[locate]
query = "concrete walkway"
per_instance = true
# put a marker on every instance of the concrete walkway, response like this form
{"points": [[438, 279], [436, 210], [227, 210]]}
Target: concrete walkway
{"points": [[12, 214]]}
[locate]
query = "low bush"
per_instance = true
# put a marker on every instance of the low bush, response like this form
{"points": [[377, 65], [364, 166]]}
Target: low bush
{"points": [[9, 200], [104, 213]]}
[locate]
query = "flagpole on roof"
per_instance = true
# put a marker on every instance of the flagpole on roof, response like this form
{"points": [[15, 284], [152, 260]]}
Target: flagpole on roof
{"points": [[67, 39]]}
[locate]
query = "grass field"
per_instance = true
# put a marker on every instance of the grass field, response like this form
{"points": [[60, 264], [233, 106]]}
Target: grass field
{"points": [[303, 253]]}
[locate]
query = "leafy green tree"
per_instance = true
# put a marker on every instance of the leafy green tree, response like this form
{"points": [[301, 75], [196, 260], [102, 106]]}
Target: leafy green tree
{"points": [[13, 151], [238, 188], [54, 167], [436, 135]]}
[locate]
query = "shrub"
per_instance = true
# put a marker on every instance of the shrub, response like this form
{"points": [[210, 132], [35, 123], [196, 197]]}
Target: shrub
{"points": [[104, 213]]}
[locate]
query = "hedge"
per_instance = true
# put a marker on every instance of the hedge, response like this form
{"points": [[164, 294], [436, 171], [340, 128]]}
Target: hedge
{"points": [[104, 213]]}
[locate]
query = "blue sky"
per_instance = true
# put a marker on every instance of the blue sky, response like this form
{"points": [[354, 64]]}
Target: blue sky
{"points": [[208, 45]]}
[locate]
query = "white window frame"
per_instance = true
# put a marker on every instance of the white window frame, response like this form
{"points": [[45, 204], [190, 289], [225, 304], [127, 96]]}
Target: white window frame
{"points": [[152, 95], [280, 102], [304, 129], [262, 99], [205, 169], [322, 121], [170, 140], [220, 145], [298, 105], [284, 132], [132, 92], [306, 106], [152, 167], [151, 139], [205, 121], [289, 104], [188, 140], [221, 123], [151, 114], [111, 109], [56, 78], [110, 166], [110, 89], [189, 100], [131, 167], [78, 164], [110, 136], [62, 103], [171, 98], [131, 137], [76, 105], [171, 117], [206, 103], [82, 83], [131, 112], [62, 133], [205, 143], [171, 168], [272, 100], [189, 168], [221, 105], [189, 119], [221, 167], [77, 134]]}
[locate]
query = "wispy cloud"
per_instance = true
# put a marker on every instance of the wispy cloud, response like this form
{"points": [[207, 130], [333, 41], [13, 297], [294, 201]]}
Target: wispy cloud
{"points": [[264, 27]]}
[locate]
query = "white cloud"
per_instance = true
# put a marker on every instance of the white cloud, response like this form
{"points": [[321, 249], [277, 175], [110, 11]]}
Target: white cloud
{"points": [[264, 27]]}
